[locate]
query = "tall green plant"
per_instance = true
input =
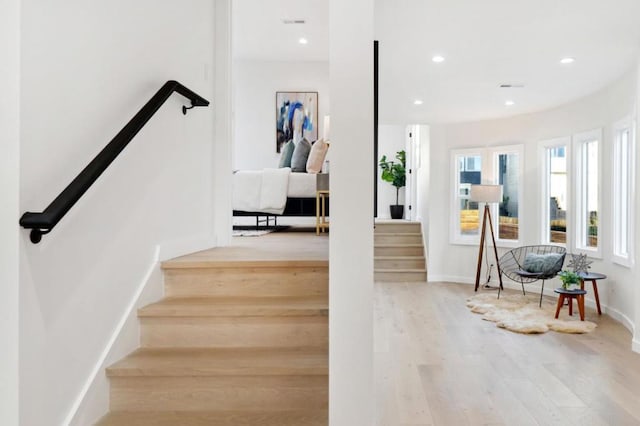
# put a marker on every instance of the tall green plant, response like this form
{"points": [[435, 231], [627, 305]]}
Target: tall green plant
{"points": [[395, 173]]}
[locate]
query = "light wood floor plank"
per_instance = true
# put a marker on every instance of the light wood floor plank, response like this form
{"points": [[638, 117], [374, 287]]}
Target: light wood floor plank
{"points": [[437, 363]]}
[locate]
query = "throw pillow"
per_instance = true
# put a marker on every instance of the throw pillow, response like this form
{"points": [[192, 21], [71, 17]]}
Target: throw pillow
{"points": [[286, 154], [542, 263], [317, 156], [300, 156]]}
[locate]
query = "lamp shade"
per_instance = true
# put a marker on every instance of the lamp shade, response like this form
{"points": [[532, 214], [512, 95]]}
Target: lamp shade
{"points": [[486, 193], [327, 128]]}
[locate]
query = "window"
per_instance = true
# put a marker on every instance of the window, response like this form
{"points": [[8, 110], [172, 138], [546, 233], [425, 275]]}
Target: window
{"points": [[498, 165], [467, 172], [555, 191], [623, 191], [507, 171], [587, 187]]}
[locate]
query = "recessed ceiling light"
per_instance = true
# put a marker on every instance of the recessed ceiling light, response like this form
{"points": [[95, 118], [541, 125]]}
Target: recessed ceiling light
{"points": [[567, 60], [303, 40], [509, 103], [437, 59], [418, 102]]}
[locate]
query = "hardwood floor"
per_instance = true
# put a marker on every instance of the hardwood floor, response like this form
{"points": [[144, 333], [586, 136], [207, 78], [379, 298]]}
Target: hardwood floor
{"points": [[436, 363]]}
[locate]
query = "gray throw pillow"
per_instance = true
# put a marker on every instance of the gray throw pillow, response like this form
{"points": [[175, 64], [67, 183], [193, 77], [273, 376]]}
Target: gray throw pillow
{"points": [[286, 153], [300, 156], [542, 263]]}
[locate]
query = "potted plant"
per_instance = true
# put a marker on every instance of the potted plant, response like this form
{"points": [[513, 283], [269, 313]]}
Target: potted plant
{"points": [[569, 279], [395, 173]]}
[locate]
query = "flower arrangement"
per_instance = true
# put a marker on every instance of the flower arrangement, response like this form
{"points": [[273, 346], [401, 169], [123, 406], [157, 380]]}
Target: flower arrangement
{"points": [[569, 278]]}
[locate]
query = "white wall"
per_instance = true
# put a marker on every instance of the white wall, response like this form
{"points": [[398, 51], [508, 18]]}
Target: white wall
{"points": [[458, 262], [254, 119], [9, 209], [391, 139], [86, 70], [351, 237]]}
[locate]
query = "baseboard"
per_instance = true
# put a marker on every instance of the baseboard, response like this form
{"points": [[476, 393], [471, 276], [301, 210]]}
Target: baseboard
{"points": [[81, 413], [172, 249], [635, 345], [620, 317]]}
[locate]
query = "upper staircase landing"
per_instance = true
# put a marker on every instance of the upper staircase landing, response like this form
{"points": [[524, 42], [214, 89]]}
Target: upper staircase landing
{"points": [[275, 247]]}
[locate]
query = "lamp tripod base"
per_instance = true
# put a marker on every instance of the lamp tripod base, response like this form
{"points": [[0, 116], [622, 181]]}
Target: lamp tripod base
{"points": [[486, 217]]}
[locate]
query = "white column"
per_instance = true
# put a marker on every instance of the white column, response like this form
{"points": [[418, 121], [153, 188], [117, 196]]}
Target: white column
{"points": [[351, 234], [222, 161], [9, 209]]}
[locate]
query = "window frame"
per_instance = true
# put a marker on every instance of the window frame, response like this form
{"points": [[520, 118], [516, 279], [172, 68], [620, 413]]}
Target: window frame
{"points": [[564, 141], [455, 237], [627, 123], [488, 155], [579, 215], [494, 153]]}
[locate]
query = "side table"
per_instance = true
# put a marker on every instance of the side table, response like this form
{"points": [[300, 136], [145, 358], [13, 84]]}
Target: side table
{"points": [[321, 217], [570, 294], [593, 277]]}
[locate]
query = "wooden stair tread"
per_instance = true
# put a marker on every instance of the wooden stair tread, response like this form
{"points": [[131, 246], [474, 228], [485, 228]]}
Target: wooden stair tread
{"points": [[237, 306], [397, 245], [400, 234], [406, 257], [400, 270], [212, 264], [396, 222], [179, 362], [216, 418]]}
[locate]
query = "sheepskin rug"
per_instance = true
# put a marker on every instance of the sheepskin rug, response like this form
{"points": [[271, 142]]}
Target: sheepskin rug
{"points": [[522, 314]]}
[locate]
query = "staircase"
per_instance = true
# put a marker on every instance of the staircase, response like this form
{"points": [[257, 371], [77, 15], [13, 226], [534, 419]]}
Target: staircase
{"points": [[233, 343], [399, 252]]}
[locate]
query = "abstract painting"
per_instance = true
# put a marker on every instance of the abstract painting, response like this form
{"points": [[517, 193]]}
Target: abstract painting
{"points": [[296, 117]]}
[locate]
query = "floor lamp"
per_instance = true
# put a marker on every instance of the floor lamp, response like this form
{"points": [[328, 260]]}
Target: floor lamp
{"points": [[487, 194]]}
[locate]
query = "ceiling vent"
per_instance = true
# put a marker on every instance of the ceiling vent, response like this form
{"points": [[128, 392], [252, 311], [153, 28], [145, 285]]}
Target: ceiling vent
{"points": [[511, 86], [293, 21]]}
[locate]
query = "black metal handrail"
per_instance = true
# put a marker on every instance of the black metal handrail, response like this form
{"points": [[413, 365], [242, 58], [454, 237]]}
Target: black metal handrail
{"points": [[42, 223]]}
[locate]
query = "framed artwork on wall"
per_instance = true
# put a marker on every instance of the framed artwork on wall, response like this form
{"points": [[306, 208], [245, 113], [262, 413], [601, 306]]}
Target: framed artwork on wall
{"points": [[296, 117]]}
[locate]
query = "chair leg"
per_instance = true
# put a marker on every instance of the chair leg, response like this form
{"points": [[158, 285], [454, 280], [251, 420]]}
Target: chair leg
{"points": [[541, 292], [499, 292], [522, 284], [571, 306]]}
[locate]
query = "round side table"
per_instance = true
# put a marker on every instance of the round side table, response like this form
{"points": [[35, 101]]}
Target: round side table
{"points": [[593, 277], [570, 294]]}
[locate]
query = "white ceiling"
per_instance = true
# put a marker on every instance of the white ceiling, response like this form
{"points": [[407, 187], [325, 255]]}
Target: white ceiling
{"points": [[485, 43], [259, 34]]}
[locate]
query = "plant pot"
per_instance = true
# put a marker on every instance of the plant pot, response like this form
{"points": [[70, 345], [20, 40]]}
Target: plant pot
{"points": [[397, 211]]}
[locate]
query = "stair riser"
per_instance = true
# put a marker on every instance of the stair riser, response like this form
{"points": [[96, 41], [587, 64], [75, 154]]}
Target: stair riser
{"points": [[417, 263], [401, 276], [235, 332], [398, 251], [398, 239], [219, 393], [398, 228], [253, 282]]}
